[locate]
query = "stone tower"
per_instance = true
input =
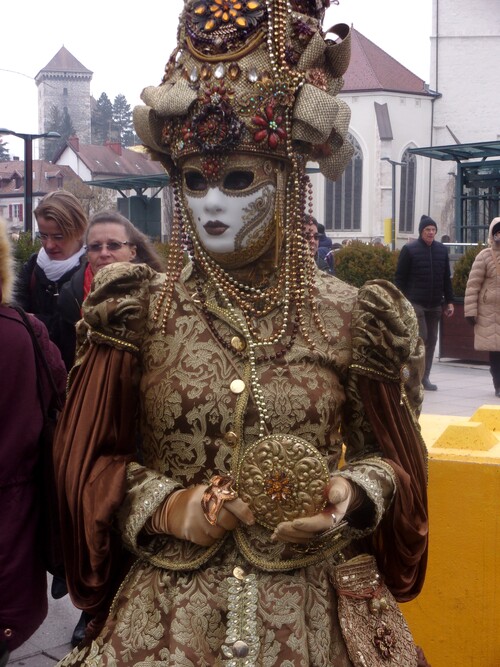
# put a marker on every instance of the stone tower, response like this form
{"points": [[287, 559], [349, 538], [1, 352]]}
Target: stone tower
{"points": [[64, 83]]}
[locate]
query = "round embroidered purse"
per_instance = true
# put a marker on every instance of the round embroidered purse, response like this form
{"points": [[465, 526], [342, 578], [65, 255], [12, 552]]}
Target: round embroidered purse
{"points": [[282, 477]]}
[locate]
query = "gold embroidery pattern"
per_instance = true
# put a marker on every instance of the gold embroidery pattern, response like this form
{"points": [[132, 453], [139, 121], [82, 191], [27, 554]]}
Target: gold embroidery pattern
{"points": [[147, 491], [186, 408], [292, 618]]}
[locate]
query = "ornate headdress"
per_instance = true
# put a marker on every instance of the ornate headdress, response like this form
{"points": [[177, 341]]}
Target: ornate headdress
{"points": [[258, 77], [251, 75]]}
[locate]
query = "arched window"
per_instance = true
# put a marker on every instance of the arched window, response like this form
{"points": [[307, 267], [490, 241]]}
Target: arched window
{"points": [[343, 196], [407, 193]]}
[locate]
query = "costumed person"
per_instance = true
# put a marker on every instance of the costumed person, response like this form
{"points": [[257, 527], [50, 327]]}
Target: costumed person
{"points": [[110, 237], [482, 301], [206, 519], [23, 579], [61, 224]]}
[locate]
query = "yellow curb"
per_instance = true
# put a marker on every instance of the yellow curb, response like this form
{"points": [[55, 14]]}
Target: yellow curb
{"points": [[472, 435], [489, 415]]}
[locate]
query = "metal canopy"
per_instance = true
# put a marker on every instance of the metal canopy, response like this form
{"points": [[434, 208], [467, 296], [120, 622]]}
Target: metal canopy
{"points": [[137, 183], [460, 152]]}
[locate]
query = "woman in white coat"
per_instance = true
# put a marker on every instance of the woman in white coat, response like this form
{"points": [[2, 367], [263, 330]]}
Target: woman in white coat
{"points": [[482, 301]]}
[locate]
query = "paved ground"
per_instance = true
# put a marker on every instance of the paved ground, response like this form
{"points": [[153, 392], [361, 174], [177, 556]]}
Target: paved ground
{"points": [[462, 388]]}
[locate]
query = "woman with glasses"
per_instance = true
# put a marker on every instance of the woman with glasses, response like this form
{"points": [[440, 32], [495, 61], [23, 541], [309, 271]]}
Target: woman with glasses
{"points": [[61, 224], [110, 238]]}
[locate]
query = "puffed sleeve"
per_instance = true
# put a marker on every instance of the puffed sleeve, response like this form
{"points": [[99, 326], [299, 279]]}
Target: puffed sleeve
{"points": [[96, 433], [115, 311], [384, 399]]}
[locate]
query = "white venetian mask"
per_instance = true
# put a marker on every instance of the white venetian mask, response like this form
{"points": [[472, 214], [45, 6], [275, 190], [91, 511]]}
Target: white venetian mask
{"points": [[232, 216]]}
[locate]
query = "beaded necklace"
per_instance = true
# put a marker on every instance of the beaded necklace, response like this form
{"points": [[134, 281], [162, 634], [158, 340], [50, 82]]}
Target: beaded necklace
{"points": [[290, 291]]}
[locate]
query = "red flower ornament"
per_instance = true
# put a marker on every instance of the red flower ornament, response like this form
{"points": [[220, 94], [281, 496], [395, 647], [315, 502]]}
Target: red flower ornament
{"points": [[270, 127]]}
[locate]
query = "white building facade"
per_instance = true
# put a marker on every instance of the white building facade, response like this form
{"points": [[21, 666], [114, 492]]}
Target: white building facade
{"points": [[465, 69]]}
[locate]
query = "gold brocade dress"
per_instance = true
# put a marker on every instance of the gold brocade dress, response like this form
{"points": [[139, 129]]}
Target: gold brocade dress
{"points": [[245, 601]]}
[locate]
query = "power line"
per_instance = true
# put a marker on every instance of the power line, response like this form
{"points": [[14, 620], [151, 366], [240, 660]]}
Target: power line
{"points": [[13, 71]]}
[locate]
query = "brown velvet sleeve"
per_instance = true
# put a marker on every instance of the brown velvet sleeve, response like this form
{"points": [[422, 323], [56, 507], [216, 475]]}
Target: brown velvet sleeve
{"points": [[95, 439], [385, 389], [400, 541]]}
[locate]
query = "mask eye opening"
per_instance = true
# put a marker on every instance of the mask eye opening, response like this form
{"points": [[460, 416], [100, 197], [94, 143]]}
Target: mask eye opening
{"points": [[195, 181], [238, 179]]}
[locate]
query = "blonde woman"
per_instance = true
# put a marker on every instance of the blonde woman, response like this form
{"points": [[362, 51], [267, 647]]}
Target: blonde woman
{"points": [[61, 224]]}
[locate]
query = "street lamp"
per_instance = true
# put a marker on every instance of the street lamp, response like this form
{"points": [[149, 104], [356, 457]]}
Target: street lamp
{"points": [[28, 170], [393, 164]]}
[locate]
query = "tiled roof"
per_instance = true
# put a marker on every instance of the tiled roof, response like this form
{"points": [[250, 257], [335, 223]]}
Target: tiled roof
{"points": [[46, 177], [371, 69], [64, 61], [113, 161]]}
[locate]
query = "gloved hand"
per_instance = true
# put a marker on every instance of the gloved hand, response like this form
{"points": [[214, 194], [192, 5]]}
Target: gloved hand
{"points": [[181, 515], [343, 497], [470, 319]]}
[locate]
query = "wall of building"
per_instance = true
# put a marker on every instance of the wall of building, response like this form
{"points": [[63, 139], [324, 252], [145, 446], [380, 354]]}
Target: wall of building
{"points": [[465, 52], [410, 117], [70, 158]]}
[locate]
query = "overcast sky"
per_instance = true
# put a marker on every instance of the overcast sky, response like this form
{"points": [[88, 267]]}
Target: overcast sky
{"points": [[126, 45]]}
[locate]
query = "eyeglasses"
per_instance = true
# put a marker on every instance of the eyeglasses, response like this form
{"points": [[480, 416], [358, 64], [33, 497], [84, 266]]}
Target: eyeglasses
{"points": [[309, 237], [112, 246], [53, 237]]}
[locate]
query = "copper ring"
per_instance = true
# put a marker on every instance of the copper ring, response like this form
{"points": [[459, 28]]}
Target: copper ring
{"points": [[219, 491]]}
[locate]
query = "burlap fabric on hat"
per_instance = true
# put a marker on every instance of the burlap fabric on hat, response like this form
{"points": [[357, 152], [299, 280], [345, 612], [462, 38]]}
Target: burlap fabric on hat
{"points": [[261, 79]]}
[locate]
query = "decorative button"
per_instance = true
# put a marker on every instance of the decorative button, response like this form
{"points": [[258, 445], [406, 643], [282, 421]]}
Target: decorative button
{"points": [[238, 343], [231, 438], [240, 649], [7, 633], [237, 386]]}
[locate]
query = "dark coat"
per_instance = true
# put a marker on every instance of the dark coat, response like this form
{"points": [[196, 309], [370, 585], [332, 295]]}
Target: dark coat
{"points": [[423, 273], [36, 294], [69, 307], [23, 582]]}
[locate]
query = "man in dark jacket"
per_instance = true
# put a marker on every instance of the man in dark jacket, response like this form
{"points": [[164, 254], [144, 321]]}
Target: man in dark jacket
{"points": [[423, 275]]}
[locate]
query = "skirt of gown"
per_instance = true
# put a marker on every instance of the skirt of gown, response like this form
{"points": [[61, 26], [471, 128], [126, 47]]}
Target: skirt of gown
{"points": [[225, 614]]}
